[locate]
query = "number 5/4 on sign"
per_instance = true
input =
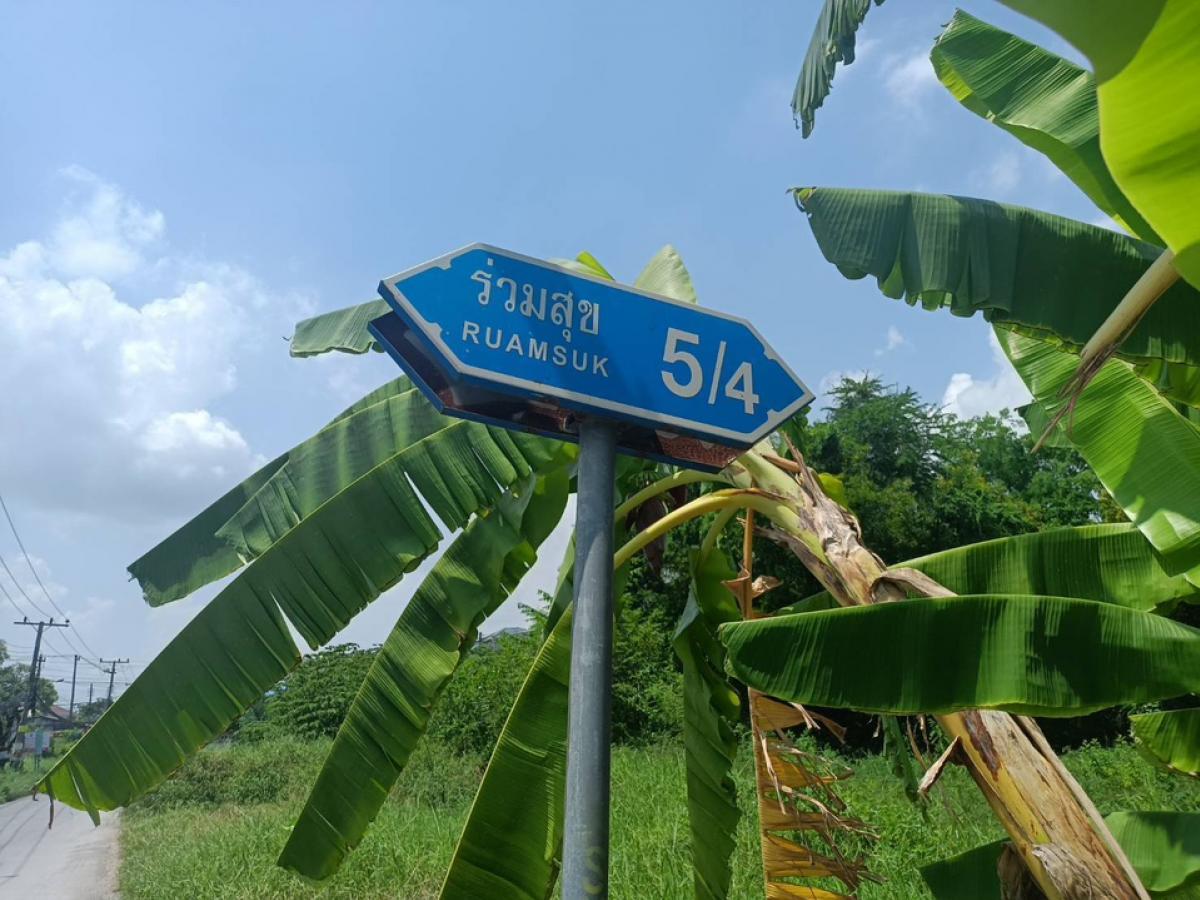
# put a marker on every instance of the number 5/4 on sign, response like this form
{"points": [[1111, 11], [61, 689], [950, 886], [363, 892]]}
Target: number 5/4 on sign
{"points": [[740, 385]]}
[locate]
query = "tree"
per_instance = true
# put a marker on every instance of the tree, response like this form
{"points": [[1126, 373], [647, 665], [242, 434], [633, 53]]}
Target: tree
{"points": [[14, 695], [313, 700]]}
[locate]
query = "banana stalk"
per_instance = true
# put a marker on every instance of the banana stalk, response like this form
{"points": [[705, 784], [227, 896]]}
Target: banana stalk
{"points": [[1064, 845], [1120, 322]]}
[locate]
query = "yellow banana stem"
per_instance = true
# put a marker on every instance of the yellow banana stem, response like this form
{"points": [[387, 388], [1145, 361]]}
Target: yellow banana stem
{"points": [[1122, 320], [677, 479], [1103, 344], [735, 498]]}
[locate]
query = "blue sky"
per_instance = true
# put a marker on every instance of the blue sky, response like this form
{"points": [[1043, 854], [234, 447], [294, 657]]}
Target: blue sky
{"points": [[178, 185]]}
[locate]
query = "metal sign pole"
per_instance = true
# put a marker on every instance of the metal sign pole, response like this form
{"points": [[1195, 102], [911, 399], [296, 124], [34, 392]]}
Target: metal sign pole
{"points": [[585, 837]]}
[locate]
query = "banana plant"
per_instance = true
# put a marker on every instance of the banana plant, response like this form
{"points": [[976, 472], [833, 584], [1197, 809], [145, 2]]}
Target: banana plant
{"points": [[331, 524], [1051, 287]]}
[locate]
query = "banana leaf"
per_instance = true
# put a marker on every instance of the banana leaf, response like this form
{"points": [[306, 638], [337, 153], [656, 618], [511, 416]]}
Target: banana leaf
{"points": [[1044, 656], [711, 711], [433, 635], [194, 556], [344, 330], [405, 427], [1148, 77], [1171, 738], [832, 42], [667, 275], [1046, 102], [318, 577], [1108, 563], [1047, 276], [511, 844], [967, 876], [1038, 422], [1162, 847], [1145, 454]]}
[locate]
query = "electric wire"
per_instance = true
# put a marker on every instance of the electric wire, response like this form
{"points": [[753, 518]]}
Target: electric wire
{"points": [[21, 544], [41, 612]]}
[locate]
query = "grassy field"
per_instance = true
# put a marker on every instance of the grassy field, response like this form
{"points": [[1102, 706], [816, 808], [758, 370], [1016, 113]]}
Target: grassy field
{"points": [[192, 840]]}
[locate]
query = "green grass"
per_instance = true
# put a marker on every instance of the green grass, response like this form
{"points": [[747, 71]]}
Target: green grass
{"points": [[215, 830], [17, 782]]}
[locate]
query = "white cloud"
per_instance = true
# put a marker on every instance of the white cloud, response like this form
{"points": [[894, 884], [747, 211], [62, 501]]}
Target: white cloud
{"points": [[865, 50], [103, 234], [895, 339], [910, 78], [967, 395], [1000, 177], [107, 400]]}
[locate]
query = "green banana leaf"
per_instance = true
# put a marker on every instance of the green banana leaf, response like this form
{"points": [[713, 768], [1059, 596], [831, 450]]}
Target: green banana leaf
{"points": [[434, 633], [1046, 102], [711, 711], [1049, 277], [967, 876], [501, 809], [405, 427], [1144, 453], [1037, 420], [1148, 76], [344, 330], [194, 556], [1107, 563], [511, 844], [1162, 847], [591, 263], [1170, 738], [319, 576], [1044, 656], [667, 275], [832, 42]]}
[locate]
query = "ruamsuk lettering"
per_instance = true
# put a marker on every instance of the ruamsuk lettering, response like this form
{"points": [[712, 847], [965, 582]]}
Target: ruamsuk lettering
{"points": [[532, 348]]}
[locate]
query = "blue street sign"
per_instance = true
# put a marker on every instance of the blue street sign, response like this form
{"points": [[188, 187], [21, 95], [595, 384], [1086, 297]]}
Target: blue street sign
{"points": [[504, 328]]}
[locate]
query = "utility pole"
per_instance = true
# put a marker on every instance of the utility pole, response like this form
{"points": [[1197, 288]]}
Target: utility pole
{"points": [[90, 686], [112, 673], [31, 704], [74, 669]]}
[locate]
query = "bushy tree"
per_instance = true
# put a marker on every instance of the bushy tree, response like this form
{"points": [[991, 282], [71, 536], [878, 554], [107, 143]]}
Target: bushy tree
{"points": [[922, 480], [314, 699], [14, 695]]}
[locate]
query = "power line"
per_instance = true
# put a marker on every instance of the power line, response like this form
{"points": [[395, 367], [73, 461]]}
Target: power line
{"points": [[21, 544], [40, 611]]}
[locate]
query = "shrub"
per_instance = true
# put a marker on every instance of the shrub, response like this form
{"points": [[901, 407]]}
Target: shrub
{"points": [[647, 701], [471, 712], [242, 774], [314, 699]]}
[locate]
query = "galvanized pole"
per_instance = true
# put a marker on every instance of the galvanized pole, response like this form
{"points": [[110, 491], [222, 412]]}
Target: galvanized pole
{"points": [[589, 717]]}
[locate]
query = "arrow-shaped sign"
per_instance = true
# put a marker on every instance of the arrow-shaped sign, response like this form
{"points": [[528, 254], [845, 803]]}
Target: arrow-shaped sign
{"points": [[506, 327]]}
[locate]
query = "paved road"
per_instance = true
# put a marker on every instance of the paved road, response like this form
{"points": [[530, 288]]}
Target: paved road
{"points": [[71, 861]]}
